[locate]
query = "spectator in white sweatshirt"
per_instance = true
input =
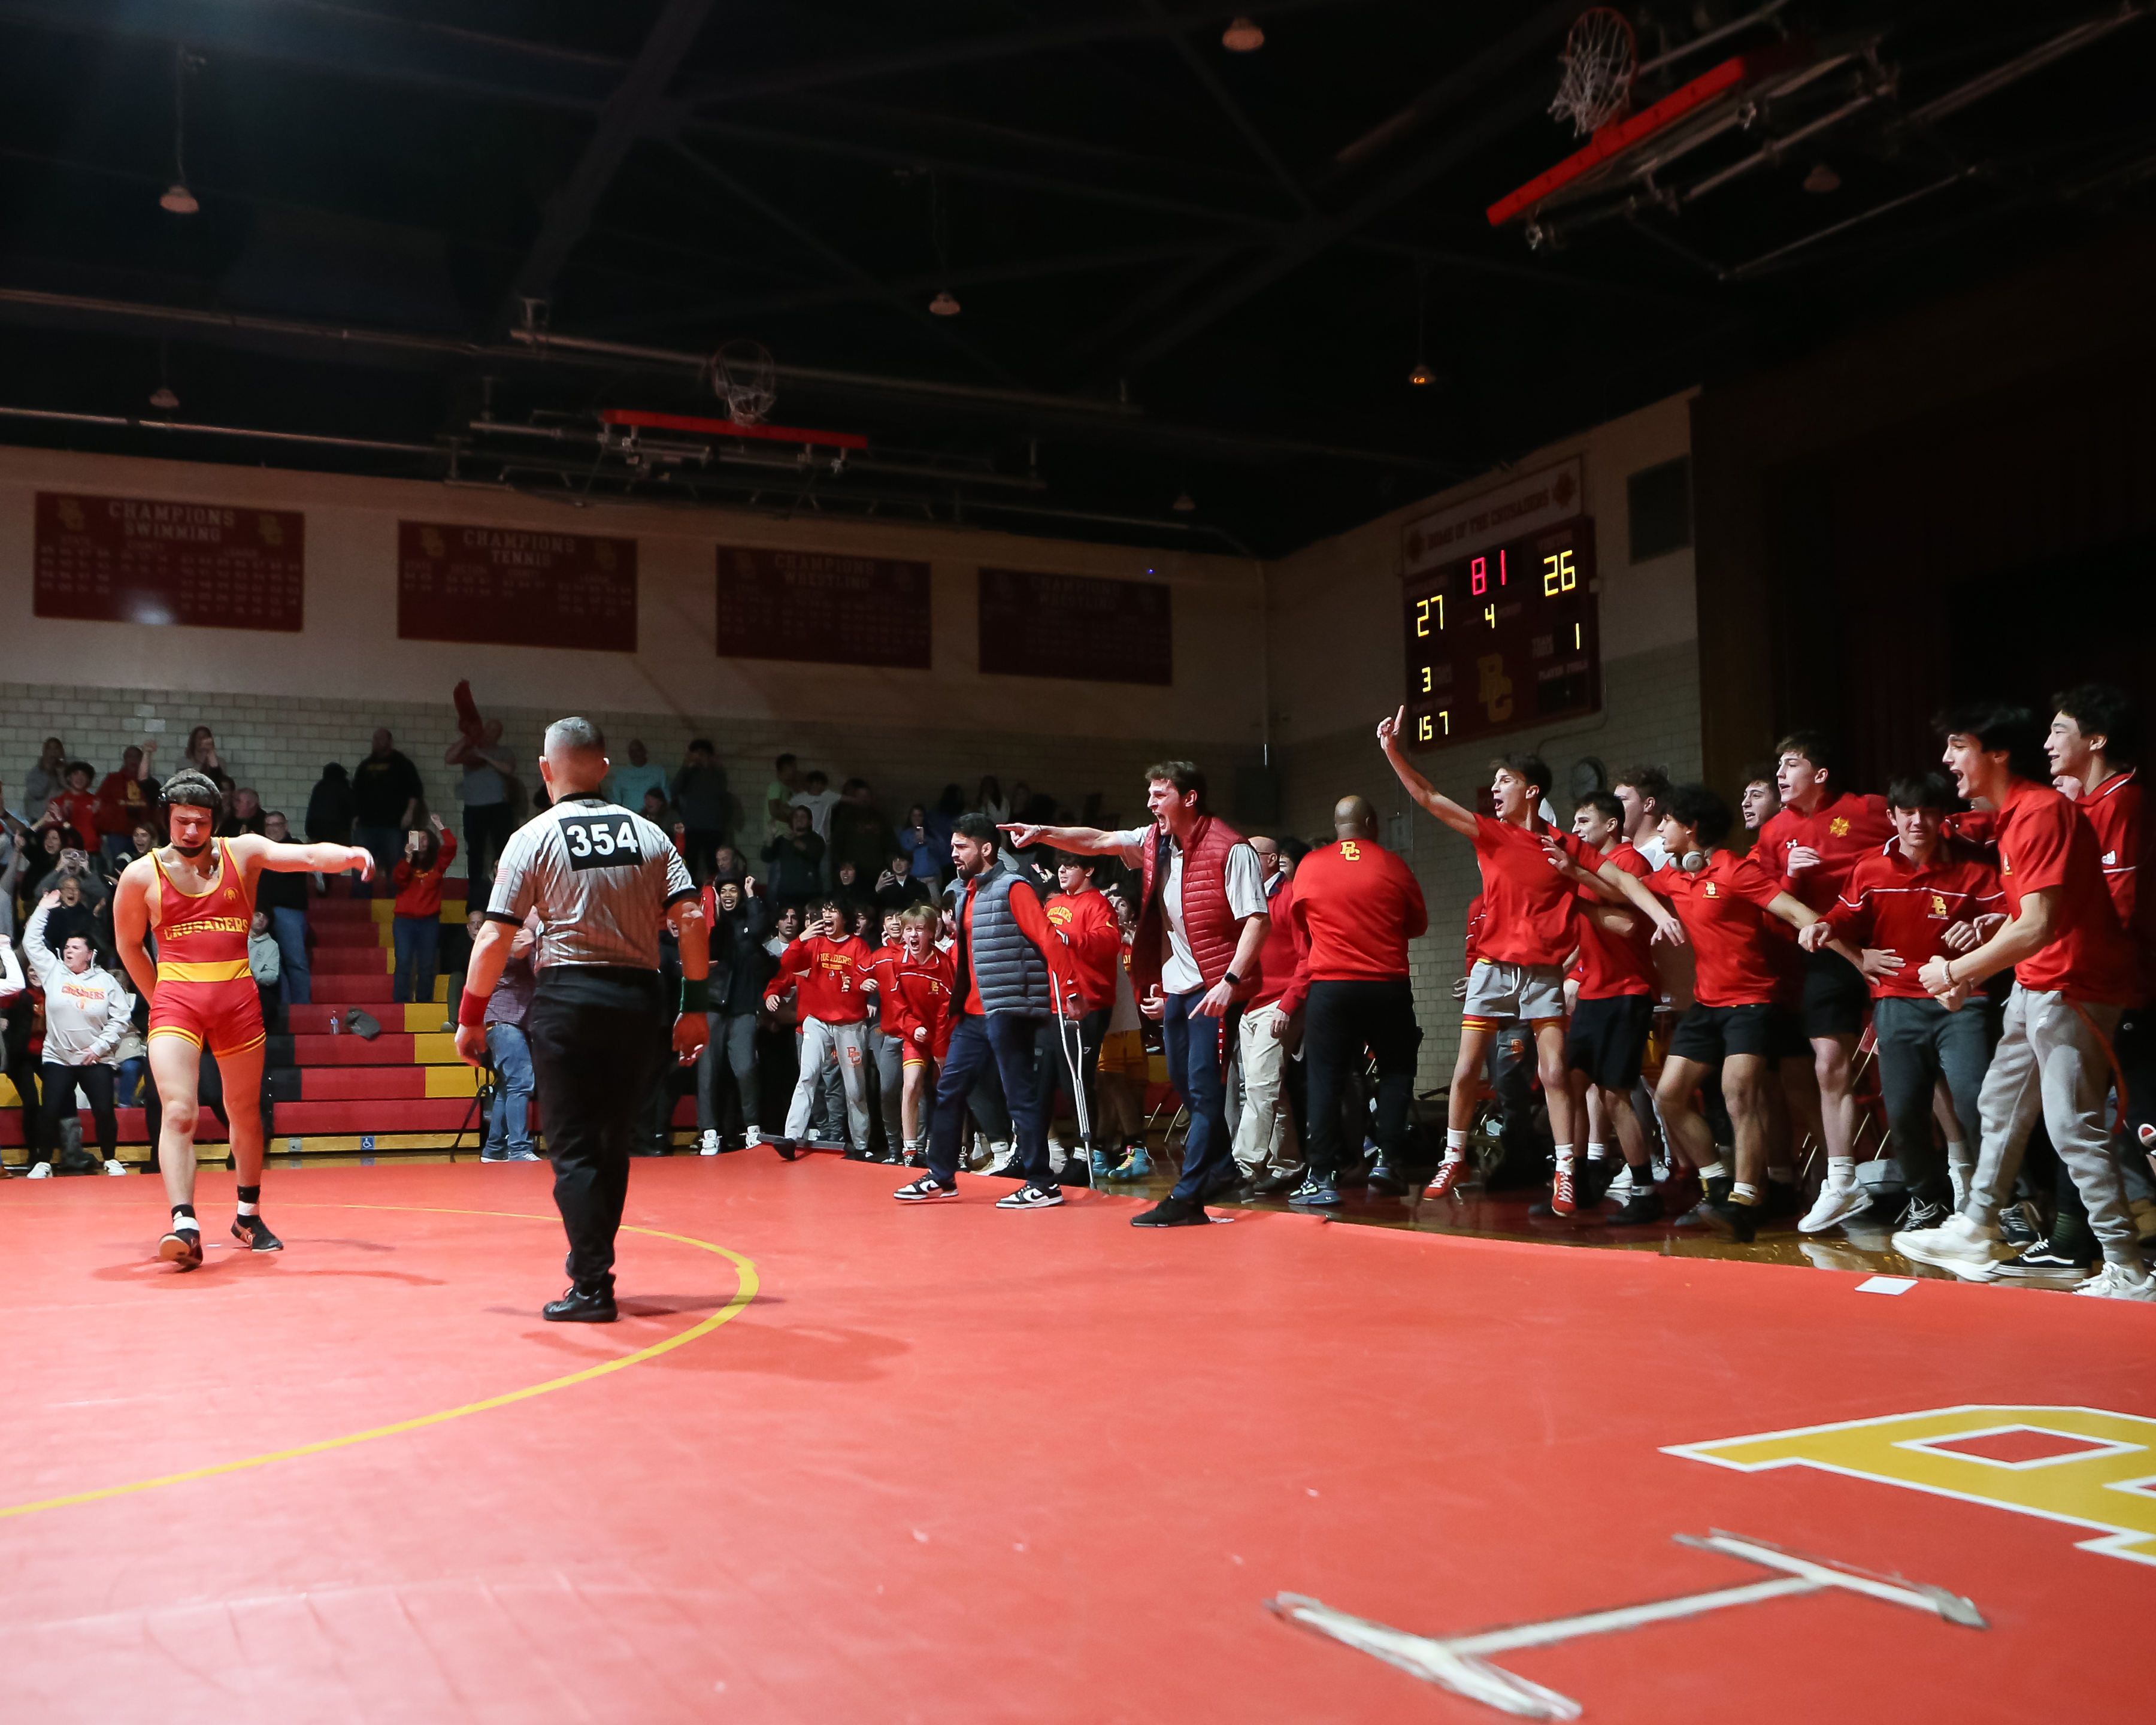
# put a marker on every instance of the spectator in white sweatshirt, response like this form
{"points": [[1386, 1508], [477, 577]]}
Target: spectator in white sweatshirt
{"points": [[86, 1014]]}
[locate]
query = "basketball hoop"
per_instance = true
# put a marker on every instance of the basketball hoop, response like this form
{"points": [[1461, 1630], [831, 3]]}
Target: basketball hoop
{"points": [[744, 378], [1601, 60]]}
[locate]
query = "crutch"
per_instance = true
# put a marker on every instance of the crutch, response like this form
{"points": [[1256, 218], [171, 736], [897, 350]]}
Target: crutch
{"points": [[1070, 1037]]}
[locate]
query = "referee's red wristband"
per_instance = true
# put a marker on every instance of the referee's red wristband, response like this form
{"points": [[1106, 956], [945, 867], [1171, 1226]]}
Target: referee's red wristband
{"points": [[471, 1008]]}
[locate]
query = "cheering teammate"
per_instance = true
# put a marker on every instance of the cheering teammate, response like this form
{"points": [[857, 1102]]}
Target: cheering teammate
{"points": [[915, 992], [196, 897], [1528, 932]]}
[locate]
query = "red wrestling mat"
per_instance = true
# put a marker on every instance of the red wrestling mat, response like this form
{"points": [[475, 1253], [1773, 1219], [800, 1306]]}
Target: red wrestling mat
{"points": [[964, 1465]]}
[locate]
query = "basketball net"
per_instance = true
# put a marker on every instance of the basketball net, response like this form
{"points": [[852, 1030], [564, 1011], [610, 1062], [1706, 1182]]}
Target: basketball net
{"points": [[744, 377], [1601, 58]]}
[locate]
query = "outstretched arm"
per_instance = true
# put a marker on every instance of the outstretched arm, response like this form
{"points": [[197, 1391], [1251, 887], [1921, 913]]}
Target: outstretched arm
{"points": [[302, 858], [1461, 820], [1087, 841]]}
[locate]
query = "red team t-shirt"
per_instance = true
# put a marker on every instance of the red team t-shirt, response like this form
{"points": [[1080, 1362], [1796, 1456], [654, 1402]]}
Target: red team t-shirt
{"points": [[1723, 910], [2044, 842], [1528, 906], [1612, 964], [1844, 830]]}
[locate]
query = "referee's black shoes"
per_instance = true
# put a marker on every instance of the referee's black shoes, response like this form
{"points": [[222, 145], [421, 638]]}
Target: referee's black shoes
{"points": [[581, 1305]]}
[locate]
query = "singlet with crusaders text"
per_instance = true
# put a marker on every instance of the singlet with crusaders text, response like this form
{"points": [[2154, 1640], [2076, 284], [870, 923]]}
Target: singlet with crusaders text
{"points": [[601, 878], [202, 937]]}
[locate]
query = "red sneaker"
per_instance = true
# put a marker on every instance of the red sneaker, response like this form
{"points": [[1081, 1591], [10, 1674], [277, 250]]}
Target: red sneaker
{"points": [[1451, 1172], [1561, 1191]]}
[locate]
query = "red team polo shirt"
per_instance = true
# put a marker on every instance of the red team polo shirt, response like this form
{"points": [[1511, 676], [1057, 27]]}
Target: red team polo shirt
{"points": [[1844, 830], [1723, 910], [1889, 902], [1611, 964], [2113, 808], [2043, 842], [1528, 906]]}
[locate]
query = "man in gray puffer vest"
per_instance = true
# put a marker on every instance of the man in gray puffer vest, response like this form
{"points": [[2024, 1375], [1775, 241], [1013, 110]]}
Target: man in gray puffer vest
{"points": [[1010, 968]]}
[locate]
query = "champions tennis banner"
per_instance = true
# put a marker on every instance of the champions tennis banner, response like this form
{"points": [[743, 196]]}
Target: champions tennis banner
{"points": [[139, 560], [513, 586]]}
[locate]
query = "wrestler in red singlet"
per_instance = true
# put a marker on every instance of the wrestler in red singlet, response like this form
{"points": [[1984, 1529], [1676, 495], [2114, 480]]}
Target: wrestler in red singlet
{"points": [[206, 992]]}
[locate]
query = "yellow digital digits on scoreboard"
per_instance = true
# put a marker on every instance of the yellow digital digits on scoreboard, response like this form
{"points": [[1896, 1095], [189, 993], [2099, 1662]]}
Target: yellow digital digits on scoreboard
{"points": [[1504, 638]]}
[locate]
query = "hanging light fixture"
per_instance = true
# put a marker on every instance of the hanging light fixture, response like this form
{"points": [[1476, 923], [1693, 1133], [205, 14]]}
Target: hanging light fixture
{"points": [[1421, 377], [163, 399], [1243, 36], [1184, 503], [177, 198], [945, 304], [1822, 179]]}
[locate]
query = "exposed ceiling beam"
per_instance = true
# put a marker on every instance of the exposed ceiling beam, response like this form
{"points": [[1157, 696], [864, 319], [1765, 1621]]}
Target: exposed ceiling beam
{"points": [[1201, 68], [625, 120], [910, 307], [1314, 234]]}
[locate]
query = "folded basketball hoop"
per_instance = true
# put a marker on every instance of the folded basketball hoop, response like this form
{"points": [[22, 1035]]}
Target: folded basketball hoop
{"points": [[1601, 60]]}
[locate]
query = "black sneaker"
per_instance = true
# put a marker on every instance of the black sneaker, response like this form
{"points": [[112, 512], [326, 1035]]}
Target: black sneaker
{"points": [[785, 1148], [855, 1154], [1075, 1172], [581, 1305], [1172, 1212], [1385, 1181], [2043, 1258], [1921, 1213], [1315, 1193], [1645, 1205], [924, 1190], [1277, 1185], [1781, 1199], [183, 1247], [1701, 1214], [1590, 1182], [2017, 1226], [1741, 1220], [1030, 1197], [254, 1233]]}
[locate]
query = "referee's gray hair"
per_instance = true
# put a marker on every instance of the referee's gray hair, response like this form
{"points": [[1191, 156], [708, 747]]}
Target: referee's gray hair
{"points": [[575, 734]]}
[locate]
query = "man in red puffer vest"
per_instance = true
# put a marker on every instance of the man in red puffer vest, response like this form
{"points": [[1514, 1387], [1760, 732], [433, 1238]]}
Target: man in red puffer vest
{"points": [[1202, 925]]}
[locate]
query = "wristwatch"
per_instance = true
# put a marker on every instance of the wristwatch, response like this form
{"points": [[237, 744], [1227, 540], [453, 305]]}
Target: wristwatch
{"points": [[1232, 980]]}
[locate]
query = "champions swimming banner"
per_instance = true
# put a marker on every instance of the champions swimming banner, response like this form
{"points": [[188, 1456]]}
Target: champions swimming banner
{"points": [[823, 607], [515, 586], [137, 560], [1079, 626]]}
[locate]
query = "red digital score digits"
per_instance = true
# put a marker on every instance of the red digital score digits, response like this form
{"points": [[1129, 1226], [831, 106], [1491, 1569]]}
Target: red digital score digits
{"points": [[1487, 653]]}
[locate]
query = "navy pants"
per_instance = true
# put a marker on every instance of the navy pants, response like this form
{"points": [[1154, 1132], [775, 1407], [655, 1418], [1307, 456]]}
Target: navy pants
{"points": [[1193, 1044], [1004, 1040]]}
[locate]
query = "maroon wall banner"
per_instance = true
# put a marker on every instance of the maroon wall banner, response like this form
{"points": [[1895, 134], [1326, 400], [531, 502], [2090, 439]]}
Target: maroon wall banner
{"points": [[129, 559], [823, 608], [1078, 626], [508, 587]]}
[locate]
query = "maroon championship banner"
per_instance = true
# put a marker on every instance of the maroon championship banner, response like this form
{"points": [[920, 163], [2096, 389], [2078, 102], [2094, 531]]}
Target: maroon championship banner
{"points": [[823, 608], [1077, 626], [133, 560], [512, 586]]}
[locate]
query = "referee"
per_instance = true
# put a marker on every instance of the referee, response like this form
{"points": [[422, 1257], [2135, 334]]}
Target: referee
{"points": [[602, 880]]}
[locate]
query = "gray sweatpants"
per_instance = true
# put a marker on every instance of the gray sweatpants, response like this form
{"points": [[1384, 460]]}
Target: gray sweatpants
{"points": [[889, 1054], [847, 1044], [2050, 1059], [732, 1040]]}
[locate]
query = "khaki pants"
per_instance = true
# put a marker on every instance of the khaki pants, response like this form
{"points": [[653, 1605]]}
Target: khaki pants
{"points": [[1264, 1137], [2050, 1061]]}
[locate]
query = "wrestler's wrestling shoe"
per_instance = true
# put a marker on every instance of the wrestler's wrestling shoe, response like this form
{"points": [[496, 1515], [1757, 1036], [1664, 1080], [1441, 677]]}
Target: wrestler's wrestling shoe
{"points": [[254, 1233], [183, 1247]]}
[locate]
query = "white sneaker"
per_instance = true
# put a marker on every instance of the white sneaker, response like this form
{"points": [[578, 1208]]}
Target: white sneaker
{"points": [[1971, 1251], [42, 1171], [1834, 1205], [116, 1167], [708, 1145], [751, 1138], [2115, 1281]]}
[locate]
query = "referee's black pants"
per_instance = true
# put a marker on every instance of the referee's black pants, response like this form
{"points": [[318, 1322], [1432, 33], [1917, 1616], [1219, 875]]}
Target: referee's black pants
{"points": [[1340, 1019], [595, 1050]]}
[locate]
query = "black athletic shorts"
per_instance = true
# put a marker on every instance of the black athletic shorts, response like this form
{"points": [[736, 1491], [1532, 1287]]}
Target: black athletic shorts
{"points": [[1836, 996], [1709, 1034], [1608, 1039]]}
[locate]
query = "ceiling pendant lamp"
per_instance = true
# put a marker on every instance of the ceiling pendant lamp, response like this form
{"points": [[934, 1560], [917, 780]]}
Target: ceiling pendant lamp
{"points": [[945, 304], [1243, 36], [177, 198]]}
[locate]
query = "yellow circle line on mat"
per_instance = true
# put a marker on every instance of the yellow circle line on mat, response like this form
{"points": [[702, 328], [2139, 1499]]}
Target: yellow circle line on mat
{"points": [[745, 1291]]}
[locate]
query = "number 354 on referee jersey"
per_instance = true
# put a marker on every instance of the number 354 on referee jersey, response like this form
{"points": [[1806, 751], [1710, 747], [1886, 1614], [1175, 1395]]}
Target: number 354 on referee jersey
{"points": [[600, 841]]}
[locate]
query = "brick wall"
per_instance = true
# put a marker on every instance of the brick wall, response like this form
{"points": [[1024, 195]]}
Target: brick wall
{"points": [[1650, 714], [278, 745]]}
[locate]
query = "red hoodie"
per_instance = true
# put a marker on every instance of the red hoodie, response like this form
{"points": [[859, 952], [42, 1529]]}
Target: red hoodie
{"points": [[1087, 923], [420, 895], [916, 994]]}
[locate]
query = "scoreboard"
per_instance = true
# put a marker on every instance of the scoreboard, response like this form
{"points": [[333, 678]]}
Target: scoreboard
{"points": [[1505, 639]]}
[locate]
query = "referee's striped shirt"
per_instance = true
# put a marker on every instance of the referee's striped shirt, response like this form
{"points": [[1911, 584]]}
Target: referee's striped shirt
{"points": [[601, 878]]}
